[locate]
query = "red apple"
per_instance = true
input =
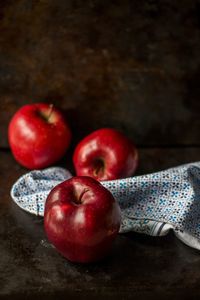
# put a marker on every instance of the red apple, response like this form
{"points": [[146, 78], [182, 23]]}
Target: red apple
{"points": [[81, 219], [38, 135], [105, 154]]}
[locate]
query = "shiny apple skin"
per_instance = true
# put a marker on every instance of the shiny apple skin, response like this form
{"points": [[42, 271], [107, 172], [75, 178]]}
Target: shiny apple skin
{"points": [[81, 219], [109, 147], [38, 135]]}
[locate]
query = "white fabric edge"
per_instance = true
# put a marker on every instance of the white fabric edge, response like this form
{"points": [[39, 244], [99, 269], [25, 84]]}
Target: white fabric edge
{"points": [[187, 239]]}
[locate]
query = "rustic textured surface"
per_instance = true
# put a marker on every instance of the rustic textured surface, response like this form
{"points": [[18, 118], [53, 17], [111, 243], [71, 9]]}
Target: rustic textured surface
{"points": [[139, 267], [133, 65]]}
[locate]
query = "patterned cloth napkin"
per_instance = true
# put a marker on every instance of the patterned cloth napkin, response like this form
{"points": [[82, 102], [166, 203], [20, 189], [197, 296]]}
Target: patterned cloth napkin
{"points": [[151, 204]]}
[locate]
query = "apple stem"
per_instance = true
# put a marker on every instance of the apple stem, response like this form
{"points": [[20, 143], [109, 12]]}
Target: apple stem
{"points": [[50, 111], [78, 197], [99, 167], [81, 195]]}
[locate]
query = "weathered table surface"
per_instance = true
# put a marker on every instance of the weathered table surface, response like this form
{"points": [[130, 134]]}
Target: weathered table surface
{"points": [[139, 267]]}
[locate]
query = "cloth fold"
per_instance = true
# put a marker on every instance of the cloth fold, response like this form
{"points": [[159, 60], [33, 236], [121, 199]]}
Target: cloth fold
{"points": [[152, 204]]}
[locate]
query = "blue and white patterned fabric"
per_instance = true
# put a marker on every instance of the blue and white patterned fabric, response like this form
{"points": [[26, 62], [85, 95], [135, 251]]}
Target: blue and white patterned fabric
{"points": [[151, 204]]}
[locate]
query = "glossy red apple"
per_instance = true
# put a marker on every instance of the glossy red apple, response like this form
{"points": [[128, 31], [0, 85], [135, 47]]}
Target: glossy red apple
{"points": [[81, 219], [105, 154], [38, 135]]}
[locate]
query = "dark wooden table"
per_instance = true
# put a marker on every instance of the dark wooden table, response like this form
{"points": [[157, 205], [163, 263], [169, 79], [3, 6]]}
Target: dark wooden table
{"points": [[139, 267], [132, 65]]}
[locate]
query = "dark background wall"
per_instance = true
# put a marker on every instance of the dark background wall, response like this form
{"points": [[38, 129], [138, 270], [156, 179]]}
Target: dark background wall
{"points": [[132, 65]]}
